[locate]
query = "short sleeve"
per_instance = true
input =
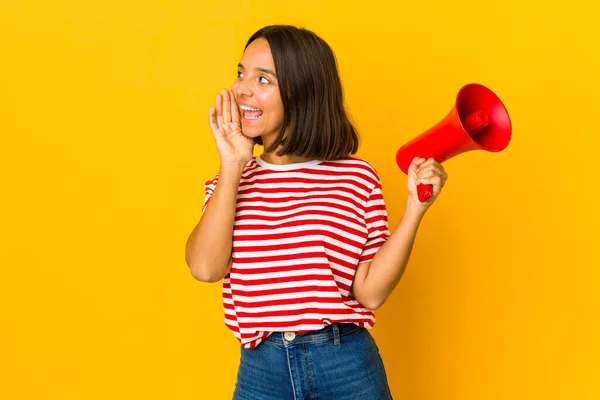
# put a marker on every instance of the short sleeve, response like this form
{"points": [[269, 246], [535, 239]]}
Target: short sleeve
{"points": [[209, 188], [376, 221]]}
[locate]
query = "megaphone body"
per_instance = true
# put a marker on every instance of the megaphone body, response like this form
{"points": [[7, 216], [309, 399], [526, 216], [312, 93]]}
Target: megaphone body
{"points": [[477, 121]]}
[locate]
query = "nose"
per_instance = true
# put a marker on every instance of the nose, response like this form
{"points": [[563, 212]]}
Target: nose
{"points": [[241, 87]]}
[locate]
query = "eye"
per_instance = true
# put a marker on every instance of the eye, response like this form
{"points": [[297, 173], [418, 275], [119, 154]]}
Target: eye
{"points": [[239, 74], [265, 79]]}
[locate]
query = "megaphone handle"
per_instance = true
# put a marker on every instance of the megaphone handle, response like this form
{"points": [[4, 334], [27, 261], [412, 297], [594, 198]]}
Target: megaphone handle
{"points": [[424, 192]]}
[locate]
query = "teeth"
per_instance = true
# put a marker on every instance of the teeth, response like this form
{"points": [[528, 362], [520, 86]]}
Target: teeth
{"points": [[249, 108]]}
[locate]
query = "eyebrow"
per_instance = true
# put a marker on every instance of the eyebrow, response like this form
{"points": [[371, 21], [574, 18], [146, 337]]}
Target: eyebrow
{"points": [[266, 71]]}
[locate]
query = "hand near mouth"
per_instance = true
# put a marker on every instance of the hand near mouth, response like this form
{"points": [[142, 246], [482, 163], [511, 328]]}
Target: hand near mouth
{"points": [[224, 120]]}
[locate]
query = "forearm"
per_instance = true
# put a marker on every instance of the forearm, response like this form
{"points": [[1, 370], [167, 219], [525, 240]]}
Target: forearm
{"points": [[390, 261], [208, 249]]}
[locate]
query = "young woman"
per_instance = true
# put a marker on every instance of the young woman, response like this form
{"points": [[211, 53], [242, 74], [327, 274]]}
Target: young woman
{"points": [[299, 235]]}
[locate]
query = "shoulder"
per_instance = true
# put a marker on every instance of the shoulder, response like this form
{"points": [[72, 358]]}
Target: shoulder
{"points": [[356, 165]]}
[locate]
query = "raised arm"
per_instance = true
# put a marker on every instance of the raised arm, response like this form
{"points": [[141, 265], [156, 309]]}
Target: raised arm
{"points": [[208, 249]]}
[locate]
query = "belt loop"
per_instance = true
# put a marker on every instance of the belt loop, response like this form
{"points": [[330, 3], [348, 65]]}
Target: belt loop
{"points": [[336, 334]]}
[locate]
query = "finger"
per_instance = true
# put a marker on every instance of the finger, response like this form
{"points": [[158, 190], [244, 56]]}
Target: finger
{"points": [[432, 173], [219, 118], [436, 181], [426, 175], [226, 107], [235, 111], [415, 165], [430, 169], [212, 120], [428, 162]]}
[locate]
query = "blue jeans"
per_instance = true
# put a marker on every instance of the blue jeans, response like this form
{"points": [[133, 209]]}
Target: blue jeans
{"points": [[338, 362]]}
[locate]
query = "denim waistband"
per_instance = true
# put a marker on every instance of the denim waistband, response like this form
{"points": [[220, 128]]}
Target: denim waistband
{"points": [[330, 333]]}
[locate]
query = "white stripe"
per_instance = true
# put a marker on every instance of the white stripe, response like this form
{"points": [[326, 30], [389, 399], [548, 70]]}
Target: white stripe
{"points": [[375, 202], [270, 253], [305, 195], [282, 187], [318, 217], [363, 177], [290, 318], [227, 311], [378, 232], [312, 304], [298, 230], [337, 267], [340, 256], [375, 214], [345, 281]]}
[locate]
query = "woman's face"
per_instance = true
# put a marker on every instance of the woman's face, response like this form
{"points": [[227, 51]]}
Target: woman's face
{"points": [[257, 93]]}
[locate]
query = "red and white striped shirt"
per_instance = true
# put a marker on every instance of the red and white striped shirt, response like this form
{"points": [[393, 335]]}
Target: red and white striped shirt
{"points": [[300, 232]]}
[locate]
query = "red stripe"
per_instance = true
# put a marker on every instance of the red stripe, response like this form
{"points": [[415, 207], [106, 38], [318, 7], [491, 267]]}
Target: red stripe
{"points": [[291, 224], [283, 279], [288, 246], [284, 302], [272, 292], [286, 268], [276, 200], [299, 214]]}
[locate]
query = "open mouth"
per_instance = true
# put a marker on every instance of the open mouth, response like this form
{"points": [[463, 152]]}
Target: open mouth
{"points": [[250, 113]]}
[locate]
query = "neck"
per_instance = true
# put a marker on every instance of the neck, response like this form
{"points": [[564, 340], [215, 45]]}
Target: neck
{"points": [[273, 158]]}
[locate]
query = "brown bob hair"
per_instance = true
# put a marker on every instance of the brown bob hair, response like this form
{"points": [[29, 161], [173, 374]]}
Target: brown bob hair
{"points": [[312, 96]]}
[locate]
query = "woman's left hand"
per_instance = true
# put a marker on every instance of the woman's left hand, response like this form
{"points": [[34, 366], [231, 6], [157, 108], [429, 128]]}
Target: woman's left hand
{"points": [[425, 171]]}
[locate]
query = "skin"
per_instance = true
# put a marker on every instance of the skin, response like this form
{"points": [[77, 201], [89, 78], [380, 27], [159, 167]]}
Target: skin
{"points": [[256, 86]]}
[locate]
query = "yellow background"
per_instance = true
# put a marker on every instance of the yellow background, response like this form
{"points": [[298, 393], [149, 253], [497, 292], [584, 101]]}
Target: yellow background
{"points": [[105, 147]]}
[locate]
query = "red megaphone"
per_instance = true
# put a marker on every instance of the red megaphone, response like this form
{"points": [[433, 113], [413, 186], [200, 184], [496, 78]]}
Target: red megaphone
{"points": [[478, 121]]}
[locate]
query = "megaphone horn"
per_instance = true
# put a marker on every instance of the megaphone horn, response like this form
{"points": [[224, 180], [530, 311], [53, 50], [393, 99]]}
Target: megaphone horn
{"points": [[477, 121]]}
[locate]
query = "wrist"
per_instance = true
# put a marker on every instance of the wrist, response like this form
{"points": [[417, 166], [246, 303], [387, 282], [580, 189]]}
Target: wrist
{"points": [[414, 211]]}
